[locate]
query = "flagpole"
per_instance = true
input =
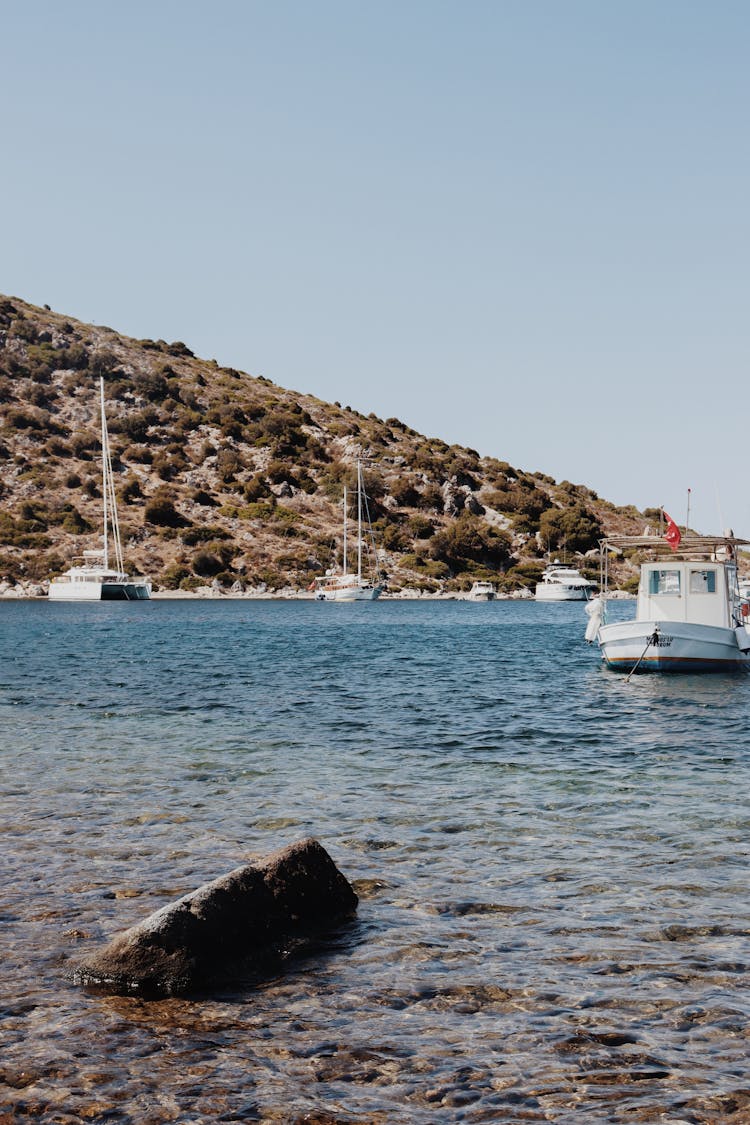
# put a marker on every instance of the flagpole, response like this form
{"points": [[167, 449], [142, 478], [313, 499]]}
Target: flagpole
{"points": [[687, 521]]}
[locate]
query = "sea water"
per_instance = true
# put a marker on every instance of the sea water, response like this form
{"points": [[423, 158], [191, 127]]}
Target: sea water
{"points": [[552, 863]]}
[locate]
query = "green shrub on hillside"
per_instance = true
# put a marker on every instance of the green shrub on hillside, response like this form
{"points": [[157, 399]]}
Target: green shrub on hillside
{"points": [[101, 362], [260, 510], [75, 523], [286, 515], [392, 537], [207, 564], [55, 447], [419, 527], [18, 418], [135, 424], [23, 329], [203, 534], [470, 539], [431, 498], [434, 568], [524, 575], [518, 498], [150, 385], [279, 471], [33, 515], [228, 464], [130, 491], [229, 419], [141, 454], [405, 492], [161, 512], [42, 565], [167, 466], [200, 496], [575, 528], [190, 583], [42, 359], [173, 575], [83, 445], [179, 349]]}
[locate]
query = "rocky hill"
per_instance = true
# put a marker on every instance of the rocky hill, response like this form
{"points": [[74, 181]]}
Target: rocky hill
{"points": [[225, 478]]}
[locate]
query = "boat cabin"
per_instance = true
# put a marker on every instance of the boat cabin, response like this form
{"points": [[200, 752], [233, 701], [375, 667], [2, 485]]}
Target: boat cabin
{"points": [[696, 591]]}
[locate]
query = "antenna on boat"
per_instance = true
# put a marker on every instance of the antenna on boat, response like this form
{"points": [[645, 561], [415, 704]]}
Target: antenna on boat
{"points": [[687, 518]]}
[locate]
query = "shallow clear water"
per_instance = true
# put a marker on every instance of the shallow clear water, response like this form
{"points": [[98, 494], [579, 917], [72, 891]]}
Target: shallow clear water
{"points": [[552, 864]]}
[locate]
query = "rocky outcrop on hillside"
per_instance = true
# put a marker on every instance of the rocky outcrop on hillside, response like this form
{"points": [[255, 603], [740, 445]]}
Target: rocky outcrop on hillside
{"points": [[227, 481]]}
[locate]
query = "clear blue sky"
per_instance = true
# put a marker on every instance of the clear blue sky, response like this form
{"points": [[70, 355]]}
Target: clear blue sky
{"points": [[523, 226]]}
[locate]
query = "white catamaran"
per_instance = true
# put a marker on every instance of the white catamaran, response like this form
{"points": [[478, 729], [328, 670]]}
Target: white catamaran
{"points": [[348, 586], [95, 580], [690, 614]]}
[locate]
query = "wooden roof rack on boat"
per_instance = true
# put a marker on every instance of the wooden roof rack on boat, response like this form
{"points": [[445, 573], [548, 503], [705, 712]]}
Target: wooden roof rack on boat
{"points": [[691, 546]]}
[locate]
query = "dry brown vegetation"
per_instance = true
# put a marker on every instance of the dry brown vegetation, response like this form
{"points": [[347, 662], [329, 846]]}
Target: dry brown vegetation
{"points": [[226, 477]]}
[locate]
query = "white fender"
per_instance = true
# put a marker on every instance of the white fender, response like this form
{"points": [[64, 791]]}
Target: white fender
{"points": [[743, 638], [595, 610]]}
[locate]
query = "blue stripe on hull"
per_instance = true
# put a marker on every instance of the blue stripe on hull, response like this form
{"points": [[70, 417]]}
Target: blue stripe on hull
{"points": [[676, 664]]}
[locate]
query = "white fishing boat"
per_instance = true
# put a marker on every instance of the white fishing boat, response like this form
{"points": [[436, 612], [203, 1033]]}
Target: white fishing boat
{"points": [[98, 578], [690, 616], [482, 592], [562, 583], [353, 586]]}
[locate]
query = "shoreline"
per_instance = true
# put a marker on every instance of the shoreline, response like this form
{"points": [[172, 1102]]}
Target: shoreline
{"points": [[207, 593]]}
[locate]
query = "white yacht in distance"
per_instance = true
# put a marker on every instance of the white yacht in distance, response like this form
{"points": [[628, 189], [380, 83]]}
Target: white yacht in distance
{"points": [[482, 592], [353, 586], [561, 583], [96, 580], [690, 614]]}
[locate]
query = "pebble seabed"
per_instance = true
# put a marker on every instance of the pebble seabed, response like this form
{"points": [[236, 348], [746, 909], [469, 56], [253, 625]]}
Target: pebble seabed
{"points": [[551, 862]]}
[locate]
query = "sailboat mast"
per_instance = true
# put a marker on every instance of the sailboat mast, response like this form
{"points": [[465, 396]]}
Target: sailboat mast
{"points": [[359, 520], [105, 481], [110, 499], [345, 531]]}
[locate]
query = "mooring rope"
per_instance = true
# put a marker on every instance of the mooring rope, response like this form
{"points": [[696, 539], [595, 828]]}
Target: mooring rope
{"points": [[652, 640]]}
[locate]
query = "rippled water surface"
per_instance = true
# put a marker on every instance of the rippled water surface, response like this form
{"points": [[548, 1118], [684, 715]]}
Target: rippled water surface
{"points": [[552, 864]]}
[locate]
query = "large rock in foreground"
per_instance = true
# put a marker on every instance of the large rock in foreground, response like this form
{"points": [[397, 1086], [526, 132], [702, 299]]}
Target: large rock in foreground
{"points": [[228, 926]]}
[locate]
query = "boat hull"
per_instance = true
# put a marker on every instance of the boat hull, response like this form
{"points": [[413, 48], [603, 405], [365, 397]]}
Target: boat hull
{"points": [[549, 592], [349, 594], [93, 591], [671, 646]]}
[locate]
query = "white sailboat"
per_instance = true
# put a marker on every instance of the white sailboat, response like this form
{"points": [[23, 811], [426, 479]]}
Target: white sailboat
{"points": [[353, 586], [95, 579], [690, 615]]}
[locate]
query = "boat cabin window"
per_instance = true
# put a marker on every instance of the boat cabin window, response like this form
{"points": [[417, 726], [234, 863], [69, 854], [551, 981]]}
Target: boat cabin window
{"points": [[664, 582], [702, 581]]}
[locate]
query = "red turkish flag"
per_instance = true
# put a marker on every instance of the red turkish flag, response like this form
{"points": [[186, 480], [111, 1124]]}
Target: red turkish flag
{"points": [[672, 534]]}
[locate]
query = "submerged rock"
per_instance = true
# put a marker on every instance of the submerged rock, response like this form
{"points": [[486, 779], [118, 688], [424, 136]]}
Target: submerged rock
{"points": [[230, 925]]}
